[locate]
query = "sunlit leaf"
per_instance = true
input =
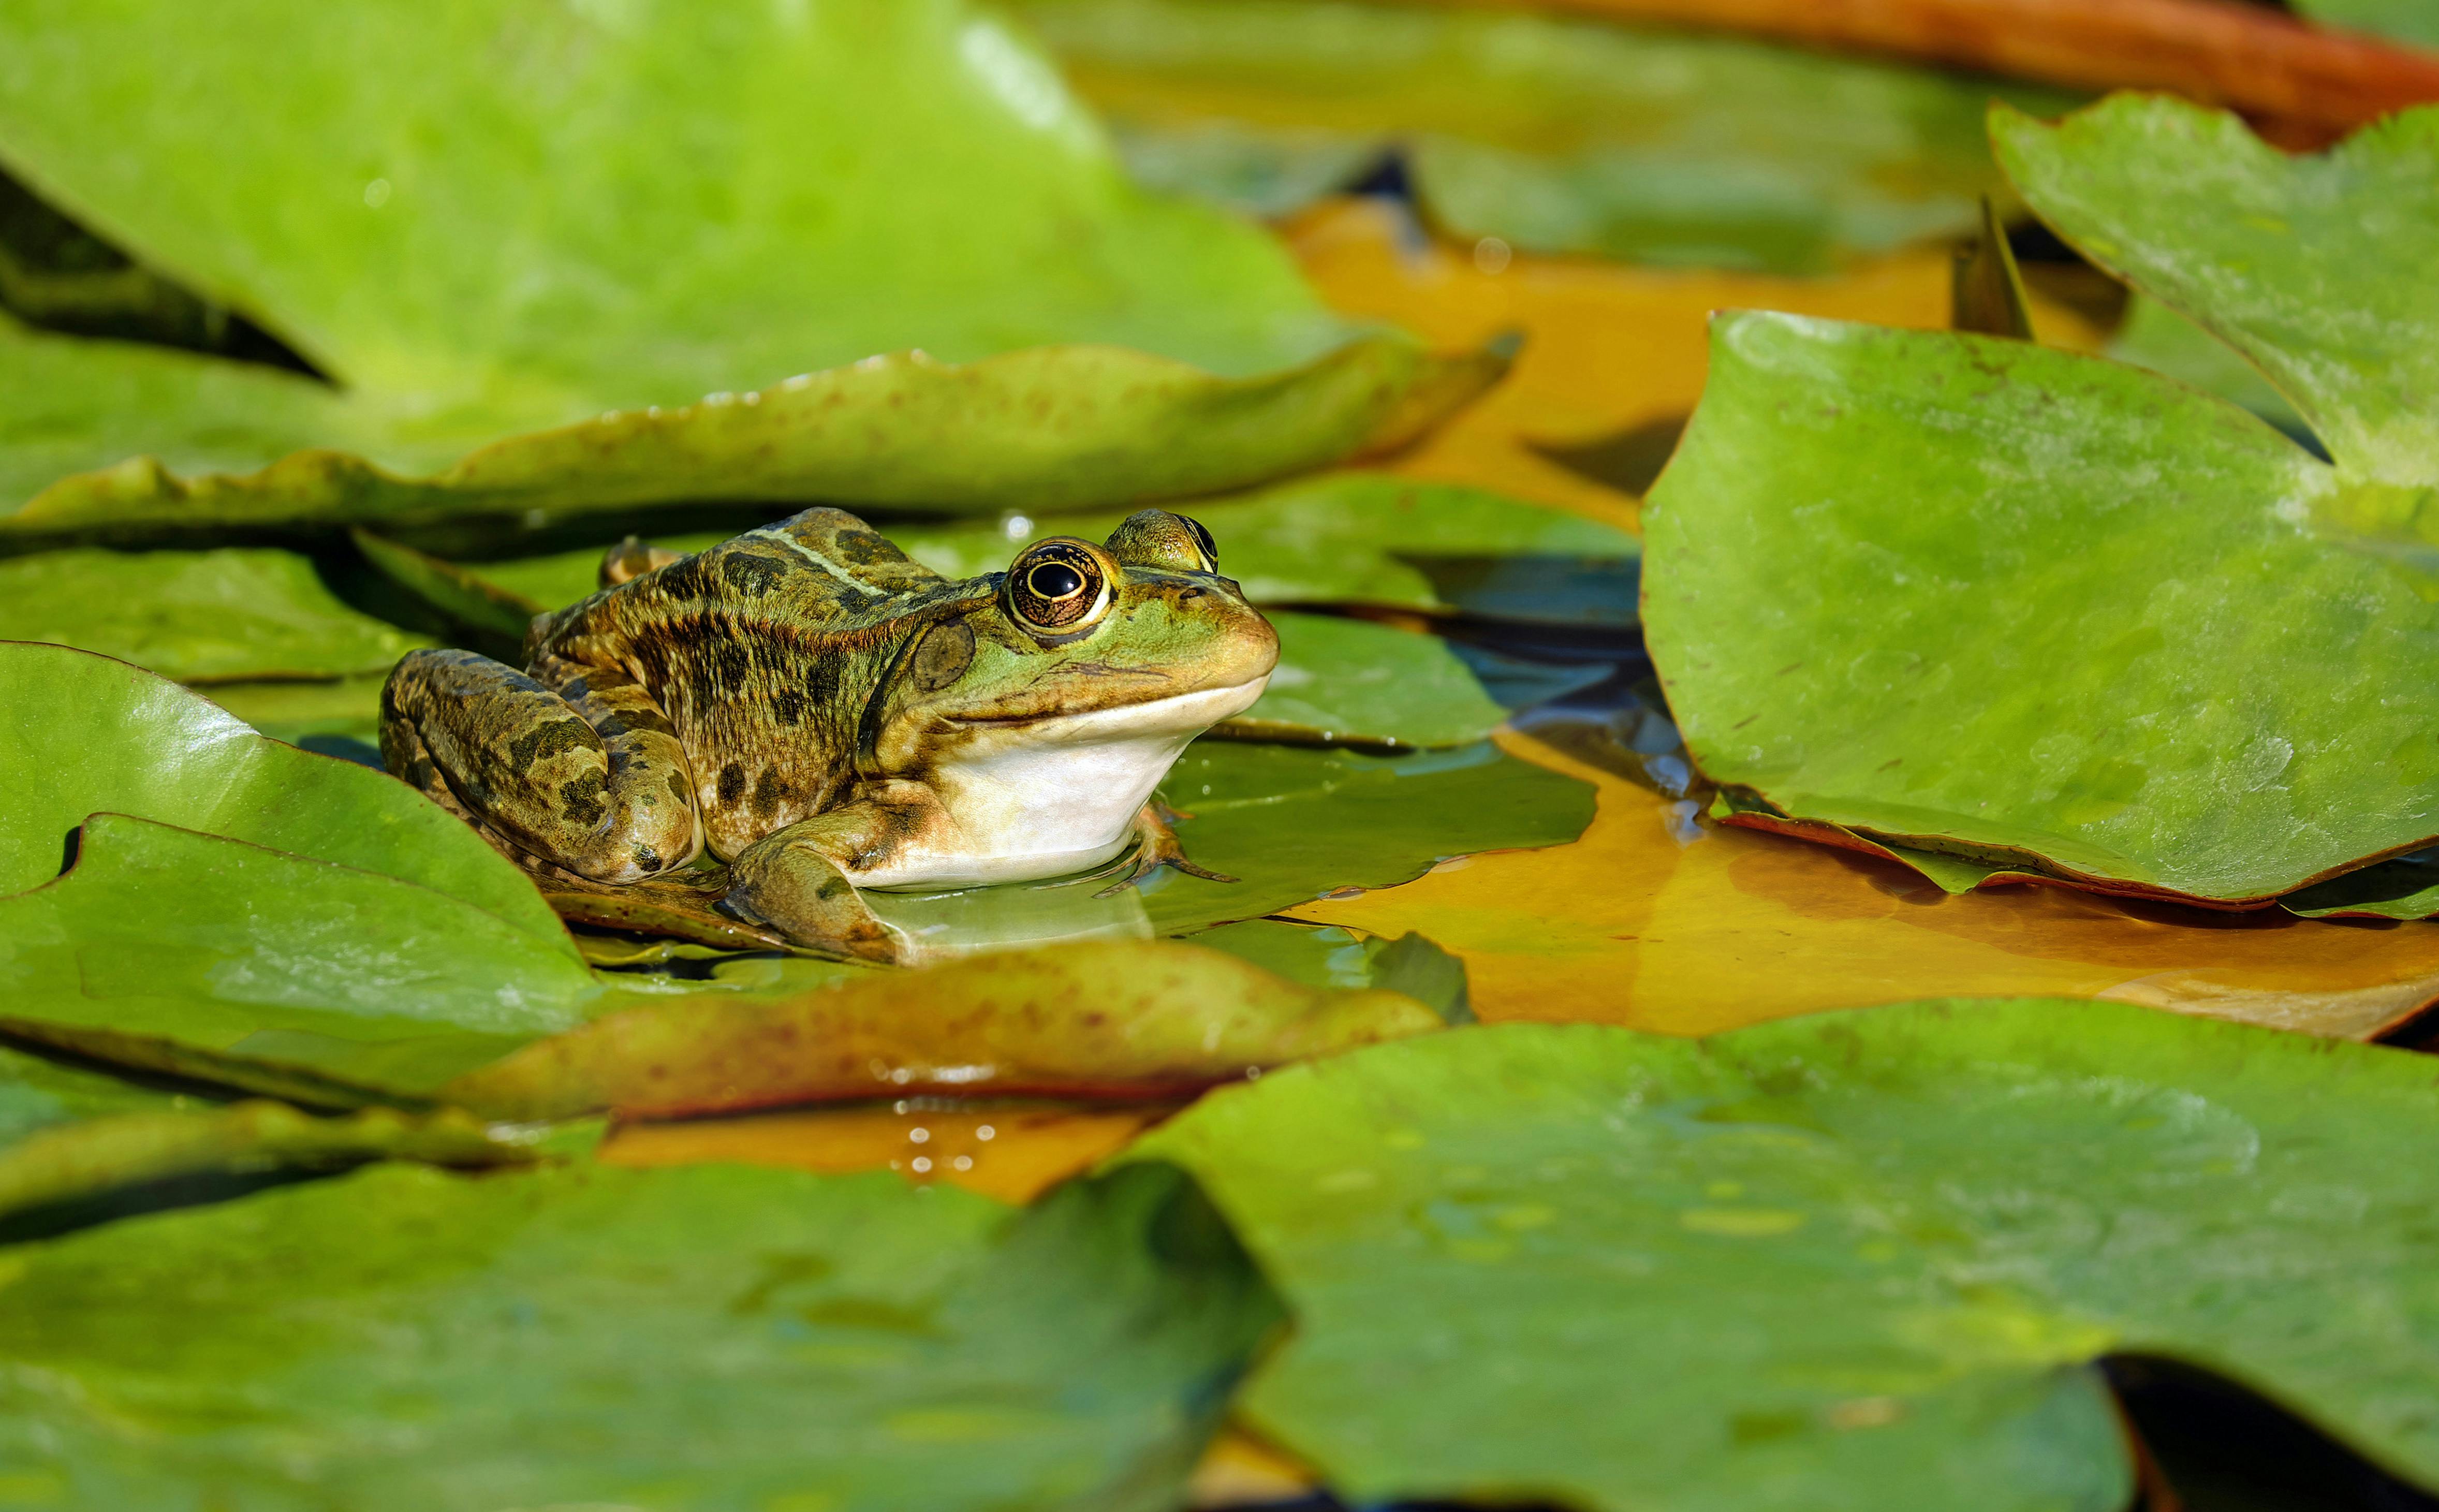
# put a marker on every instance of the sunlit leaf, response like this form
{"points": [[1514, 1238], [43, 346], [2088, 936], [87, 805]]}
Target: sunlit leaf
{"points": [[2316, 268], [2085, 632], [1867, 1255], [1554, 135], [403, 1340], [198, 616], [510, 222], [245, 911], [1353, 682], [1117, 1018], [1657, 921]]}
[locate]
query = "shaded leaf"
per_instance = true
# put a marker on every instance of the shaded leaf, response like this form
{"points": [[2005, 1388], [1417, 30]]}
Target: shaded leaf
{"points": [[2156, 337], [78, 1162], [1988, 292], [198, 616], [310, 712], [1298, 825], [2165, 685], [1117, 1018], [1563, 135], [1863, 1254], [1326, 957], [719, 1335], [1657, 921], [2401, 887]]}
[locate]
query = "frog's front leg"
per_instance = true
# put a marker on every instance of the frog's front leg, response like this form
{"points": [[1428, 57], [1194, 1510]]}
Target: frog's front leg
{"points": [[1156, 846], [587, 777], [799, 880]]}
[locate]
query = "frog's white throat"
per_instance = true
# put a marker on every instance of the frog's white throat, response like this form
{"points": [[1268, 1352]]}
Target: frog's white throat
{"points": [[1054, 795]]}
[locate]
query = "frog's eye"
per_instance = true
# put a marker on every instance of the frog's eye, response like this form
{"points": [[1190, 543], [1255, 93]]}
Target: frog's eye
{"points": [[1172, 542], [1058, 587]]}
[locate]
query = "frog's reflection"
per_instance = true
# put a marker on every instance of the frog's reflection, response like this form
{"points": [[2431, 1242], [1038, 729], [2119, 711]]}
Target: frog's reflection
{"points": [[969, 920]]}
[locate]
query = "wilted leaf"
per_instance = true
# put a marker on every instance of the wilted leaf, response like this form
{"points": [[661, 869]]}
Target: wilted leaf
{"points": [[198, 616], [1866, 1255], [1121, 1019], [508, 221], [403, 1340], [1555, 135], [2087, 633], [1657, 921]]}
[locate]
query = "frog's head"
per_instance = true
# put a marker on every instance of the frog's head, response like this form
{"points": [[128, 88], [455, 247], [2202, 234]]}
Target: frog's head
{"points": [[1137, 641]]}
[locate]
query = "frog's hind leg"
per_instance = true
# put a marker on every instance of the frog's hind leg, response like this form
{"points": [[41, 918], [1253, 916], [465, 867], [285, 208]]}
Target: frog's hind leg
{"points": [[793, 880], [588, 778]]}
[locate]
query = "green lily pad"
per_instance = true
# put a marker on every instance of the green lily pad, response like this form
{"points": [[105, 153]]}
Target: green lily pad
{"points": [[714, 1336], [510, 222], [1299, 824], [1856, 1260], [82, 733], [244, 911], [2002, 656], [2405, 19], [1134, 1019], [297, 713], [1351, 682], [2156, 337], [1554, 135], [2316, 269], [198, 617]]}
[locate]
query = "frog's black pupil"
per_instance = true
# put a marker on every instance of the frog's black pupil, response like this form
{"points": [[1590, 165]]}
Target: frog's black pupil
{"points": [[1053, 580]]}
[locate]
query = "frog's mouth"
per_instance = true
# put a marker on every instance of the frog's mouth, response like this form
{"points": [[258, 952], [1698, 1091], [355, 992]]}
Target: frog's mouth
{"points": [[1174, 714]]}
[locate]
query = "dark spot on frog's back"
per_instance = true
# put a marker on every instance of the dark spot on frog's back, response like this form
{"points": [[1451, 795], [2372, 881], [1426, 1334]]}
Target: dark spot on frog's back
{"points": [[543, 741], [770, 791], [751, 574], [581, 800], [732, 783], [860, 547], [647, 859]]}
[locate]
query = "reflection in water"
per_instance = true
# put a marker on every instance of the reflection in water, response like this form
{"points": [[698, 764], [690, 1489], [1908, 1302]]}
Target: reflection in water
{"points": [[969, 920]]}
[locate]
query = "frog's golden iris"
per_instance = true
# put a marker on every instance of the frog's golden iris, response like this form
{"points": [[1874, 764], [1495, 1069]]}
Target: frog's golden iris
{"points": [[810, 706]]}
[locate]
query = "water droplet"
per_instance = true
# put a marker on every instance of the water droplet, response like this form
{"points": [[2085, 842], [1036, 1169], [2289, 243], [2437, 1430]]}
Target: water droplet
{"points": [[376, 194], [1017, 526], [1492, 255], [919, 1136], [922, 1163], [986, 1131], [963, 1163]]}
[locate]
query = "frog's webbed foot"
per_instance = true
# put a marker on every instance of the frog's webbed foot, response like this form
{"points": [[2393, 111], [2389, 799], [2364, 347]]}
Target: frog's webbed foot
{"points": [[1156, 846], [785, 882]]}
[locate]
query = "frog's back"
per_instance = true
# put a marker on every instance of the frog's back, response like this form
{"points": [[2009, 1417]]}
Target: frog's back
{"points": [[760, 652]]}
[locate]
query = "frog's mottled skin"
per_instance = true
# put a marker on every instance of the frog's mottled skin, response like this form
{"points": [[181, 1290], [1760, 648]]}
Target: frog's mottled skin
{"points": [[809, 706]]}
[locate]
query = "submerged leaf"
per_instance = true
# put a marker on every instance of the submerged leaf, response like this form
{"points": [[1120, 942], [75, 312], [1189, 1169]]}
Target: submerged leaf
{"points": [[1117, 1018], [198, 616], [1866, 1253], [1555, 135], [1658, 920], [403, 1340]]}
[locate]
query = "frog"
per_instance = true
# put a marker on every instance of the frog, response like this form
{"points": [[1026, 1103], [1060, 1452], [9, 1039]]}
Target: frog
{"points": [[815, 712]]}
